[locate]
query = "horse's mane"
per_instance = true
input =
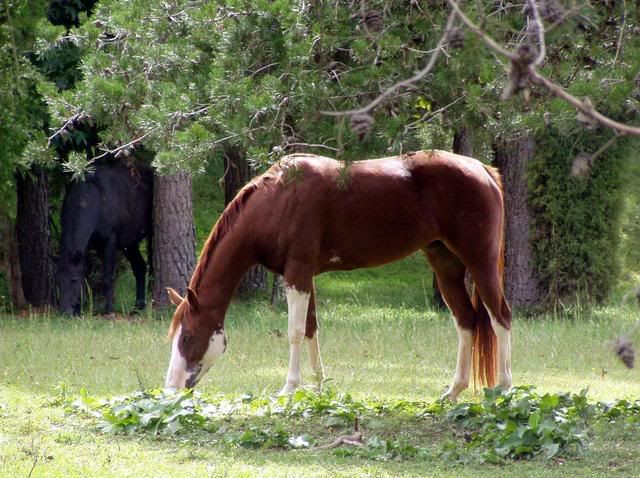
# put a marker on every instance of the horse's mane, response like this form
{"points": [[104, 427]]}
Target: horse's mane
{"points": [[222, 226]]}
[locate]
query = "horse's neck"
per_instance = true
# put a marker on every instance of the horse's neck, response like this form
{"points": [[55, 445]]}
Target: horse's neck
{"points": [[227, 264]]}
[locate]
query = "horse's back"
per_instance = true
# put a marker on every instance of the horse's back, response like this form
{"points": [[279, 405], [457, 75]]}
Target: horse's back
{"points": [[375, 211]]}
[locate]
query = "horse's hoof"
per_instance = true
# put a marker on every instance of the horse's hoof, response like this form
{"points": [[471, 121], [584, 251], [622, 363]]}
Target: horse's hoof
{"points": [[287, 390], [449, 396]]}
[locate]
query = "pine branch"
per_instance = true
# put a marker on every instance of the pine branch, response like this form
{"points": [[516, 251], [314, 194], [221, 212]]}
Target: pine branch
{"points": [[404, 83], [536, 77], [539, 27], [310, 145], [123, 147]]}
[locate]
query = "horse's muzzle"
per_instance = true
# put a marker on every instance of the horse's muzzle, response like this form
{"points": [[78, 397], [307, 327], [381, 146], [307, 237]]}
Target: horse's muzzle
{"points": [[193, 378]]}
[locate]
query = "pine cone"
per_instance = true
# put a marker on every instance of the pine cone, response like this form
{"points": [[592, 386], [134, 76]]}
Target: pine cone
{"points": [[587, 121], [581, 165], [456, 38], [527, 53], [625, 351], [551, 10], [333, 70], [532, 41], [361, 125], [374, 21], [123, 153], [519, 77]]}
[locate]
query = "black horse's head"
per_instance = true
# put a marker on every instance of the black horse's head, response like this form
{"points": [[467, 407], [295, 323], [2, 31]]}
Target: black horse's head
{"points": [[70, 278]]}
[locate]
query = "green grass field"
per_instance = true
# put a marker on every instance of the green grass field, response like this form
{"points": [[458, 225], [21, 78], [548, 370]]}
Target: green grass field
{"points": [[380, 340]]}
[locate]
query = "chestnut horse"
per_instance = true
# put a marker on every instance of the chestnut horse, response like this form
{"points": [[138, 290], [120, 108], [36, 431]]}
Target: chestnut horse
{"points": [[310, 214]]}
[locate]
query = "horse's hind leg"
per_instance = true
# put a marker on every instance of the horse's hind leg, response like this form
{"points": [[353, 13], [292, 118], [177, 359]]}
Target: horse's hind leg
{"points": [[450, 272], [311, 333], [139, 268], [488, 283]]}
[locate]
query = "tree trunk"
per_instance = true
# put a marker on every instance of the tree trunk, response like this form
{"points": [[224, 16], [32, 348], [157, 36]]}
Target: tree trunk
{"points": [[239, 172], [173, 240], [512, 157], [278, 294], [463, 142], [34, 238], [15, 275], [10, 261]]}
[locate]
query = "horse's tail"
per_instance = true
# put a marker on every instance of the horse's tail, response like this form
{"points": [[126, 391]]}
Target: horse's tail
{"points": [[485, 340], [484, 345]]}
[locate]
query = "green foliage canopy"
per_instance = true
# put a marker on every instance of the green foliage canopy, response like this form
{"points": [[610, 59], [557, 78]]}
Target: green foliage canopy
{"points": [[189, 78]]}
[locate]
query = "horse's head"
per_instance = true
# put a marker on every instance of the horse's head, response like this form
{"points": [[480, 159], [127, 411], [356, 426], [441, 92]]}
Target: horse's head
{"points": [[70, 278], [198, 340]]}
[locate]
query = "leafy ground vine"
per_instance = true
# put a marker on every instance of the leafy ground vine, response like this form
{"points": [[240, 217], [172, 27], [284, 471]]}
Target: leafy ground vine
{"points": [[501, 426]]}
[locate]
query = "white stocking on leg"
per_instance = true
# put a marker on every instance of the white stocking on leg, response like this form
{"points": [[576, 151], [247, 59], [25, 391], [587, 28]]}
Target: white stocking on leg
{"points": [[298, 303]]}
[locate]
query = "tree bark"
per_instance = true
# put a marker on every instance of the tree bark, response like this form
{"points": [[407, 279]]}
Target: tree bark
{"points": [[34, 238], [239, 172], [512, 156], [278, 294], [10, 261], [463, 142], [173, 236]]}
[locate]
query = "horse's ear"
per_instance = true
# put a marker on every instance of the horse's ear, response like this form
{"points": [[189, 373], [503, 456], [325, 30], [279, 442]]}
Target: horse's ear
{"points": [[192, 299], [174, 297]]}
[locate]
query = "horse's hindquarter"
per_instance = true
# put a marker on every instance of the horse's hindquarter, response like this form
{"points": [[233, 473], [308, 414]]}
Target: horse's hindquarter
{"points": [[465, 200]]}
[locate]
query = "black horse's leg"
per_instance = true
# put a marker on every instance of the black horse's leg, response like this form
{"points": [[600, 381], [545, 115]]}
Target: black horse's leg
{"points": [[108, 273], [139, 268]]}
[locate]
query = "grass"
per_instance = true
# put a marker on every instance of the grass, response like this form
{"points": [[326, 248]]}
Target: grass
{"points": [[380, 340]]}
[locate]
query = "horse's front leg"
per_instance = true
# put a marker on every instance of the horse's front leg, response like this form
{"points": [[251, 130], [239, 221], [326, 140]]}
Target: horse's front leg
{"points": [[108, 272], [298, 305]]}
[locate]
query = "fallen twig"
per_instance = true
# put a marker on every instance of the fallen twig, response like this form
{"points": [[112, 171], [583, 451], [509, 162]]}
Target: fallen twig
{"points": [[353, 440]]}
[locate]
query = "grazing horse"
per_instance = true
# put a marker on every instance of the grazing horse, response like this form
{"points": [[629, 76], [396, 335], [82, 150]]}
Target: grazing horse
{"points": [[110, 210], [310, 214]]}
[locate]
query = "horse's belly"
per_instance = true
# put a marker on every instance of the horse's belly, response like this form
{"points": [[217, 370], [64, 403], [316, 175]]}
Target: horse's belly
{"points": [[375, 252]]}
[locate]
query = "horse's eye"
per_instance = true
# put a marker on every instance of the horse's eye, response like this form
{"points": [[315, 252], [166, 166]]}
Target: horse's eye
{"points": [[186, 339]]}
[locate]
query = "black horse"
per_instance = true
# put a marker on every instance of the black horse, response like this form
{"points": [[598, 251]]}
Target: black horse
{"points": [[110, 210]]}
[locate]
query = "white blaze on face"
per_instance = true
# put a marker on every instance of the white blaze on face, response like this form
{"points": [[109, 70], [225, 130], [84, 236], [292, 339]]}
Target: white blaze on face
{"points": [[217, 346], [177, 373]]}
